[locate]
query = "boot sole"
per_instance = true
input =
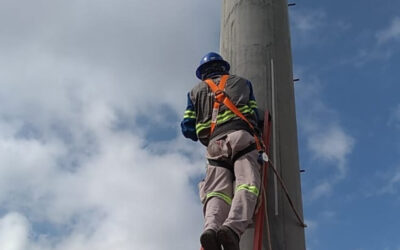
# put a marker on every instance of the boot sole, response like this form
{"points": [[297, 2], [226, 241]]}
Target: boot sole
{"points": [[225, 238], [209, 242]]}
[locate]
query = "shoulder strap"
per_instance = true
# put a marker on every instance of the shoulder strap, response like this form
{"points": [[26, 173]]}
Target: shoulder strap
{"points": [[221, 85], [221, 97], [218, 92]]}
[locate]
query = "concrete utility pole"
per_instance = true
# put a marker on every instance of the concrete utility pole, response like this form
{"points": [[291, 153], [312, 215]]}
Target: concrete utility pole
{"points": [[255, 40]]}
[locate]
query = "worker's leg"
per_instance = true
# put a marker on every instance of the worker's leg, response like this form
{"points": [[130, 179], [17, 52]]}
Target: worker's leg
{"points": [[216, 190], [216, 193], [248, 179]]}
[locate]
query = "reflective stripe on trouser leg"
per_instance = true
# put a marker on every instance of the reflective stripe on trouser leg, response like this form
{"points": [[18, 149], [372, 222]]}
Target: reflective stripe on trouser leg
{"points": [[223, 196], [216, 193], [249, 188], [248, 179]]}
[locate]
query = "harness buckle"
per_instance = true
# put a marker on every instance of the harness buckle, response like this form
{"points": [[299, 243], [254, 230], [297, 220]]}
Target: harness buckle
{"points": [[220, 96], [262, 157]]}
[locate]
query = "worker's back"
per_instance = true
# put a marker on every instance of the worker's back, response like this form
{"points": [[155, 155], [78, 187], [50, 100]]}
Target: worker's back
{"points": [[239, 92]]}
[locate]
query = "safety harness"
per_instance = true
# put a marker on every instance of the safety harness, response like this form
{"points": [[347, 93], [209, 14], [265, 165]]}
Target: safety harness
{"points": [[262, 211], [222, 98]]}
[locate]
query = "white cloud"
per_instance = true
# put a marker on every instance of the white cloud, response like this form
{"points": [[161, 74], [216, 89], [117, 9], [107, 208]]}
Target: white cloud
{"points": [[390, 33], [307, 20], [312, 229], [328, 215], [314, 27], [327, 141], [376, 52], [312, 225], [364, 56], [394, 118], [127, 54], [391, 183], [331, 144], [14, 229], [390, 179], [321, 189], [120, 196], [72, 72]]}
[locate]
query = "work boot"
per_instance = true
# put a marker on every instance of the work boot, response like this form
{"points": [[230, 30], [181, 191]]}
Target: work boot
{"points": [[228, 238], [208, 240]]}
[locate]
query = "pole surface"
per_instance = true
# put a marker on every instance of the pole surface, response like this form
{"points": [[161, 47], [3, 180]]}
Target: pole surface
{"points": [[255, 39]]}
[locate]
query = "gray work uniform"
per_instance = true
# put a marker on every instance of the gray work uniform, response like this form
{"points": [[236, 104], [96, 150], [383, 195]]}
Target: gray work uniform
{"points": [[239, 92], [229, 196], [224, 203]]}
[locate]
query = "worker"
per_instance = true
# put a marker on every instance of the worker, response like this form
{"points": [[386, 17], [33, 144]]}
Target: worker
{"points": [[231, 151]]}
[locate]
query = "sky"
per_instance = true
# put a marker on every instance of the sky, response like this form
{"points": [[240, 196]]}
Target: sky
{"points": [[92, 93]]}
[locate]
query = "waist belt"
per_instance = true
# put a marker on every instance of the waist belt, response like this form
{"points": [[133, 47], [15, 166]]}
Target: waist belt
{"points": [[229, 164]]}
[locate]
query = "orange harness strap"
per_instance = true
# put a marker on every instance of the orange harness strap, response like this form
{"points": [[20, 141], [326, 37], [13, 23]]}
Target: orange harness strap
{"points": [[221, 97]]}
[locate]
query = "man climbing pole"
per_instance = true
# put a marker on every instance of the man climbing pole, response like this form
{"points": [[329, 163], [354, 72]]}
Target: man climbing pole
{"points": [[222, 114]]}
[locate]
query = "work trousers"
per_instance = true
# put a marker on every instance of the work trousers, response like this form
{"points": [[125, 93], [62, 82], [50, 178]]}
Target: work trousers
{"points": [[227, 201]]}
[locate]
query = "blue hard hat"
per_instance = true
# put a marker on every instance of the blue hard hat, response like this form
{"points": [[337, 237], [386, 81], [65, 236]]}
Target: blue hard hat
{"points": [[209, 58]]}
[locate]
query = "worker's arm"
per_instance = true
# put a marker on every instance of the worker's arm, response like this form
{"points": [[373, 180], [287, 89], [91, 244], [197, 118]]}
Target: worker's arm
{"points": [[188, 125], [252, 102]]}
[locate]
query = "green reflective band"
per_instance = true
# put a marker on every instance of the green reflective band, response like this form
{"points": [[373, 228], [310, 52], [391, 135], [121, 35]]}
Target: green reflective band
{"points": [[190, 114], [225, 116], [251, 189], [201, 126], [229, 114], [226, 198], [253, 104]]}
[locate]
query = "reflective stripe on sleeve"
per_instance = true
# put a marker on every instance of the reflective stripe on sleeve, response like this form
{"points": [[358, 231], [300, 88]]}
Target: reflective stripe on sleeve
{"points": [[189, 114], [226, 198], [253, 104], [251, 189]]}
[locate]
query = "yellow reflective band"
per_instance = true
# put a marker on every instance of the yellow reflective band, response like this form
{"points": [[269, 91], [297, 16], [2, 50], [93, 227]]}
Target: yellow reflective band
{"points": [[232, 115], [226, 198], [229, 114], [251, 189], [253, 104], [201, 126], [225, 116], [190, 114]]}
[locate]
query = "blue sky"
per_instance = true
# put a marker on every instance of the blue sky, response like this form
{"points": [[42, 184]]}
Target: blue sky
{"points": [[92, 91], [347, 55]]}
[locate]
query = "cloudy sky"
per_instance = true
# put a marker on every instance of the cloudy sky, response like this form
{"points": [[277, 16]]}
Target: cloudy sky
{"points": [[92, 92]]}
